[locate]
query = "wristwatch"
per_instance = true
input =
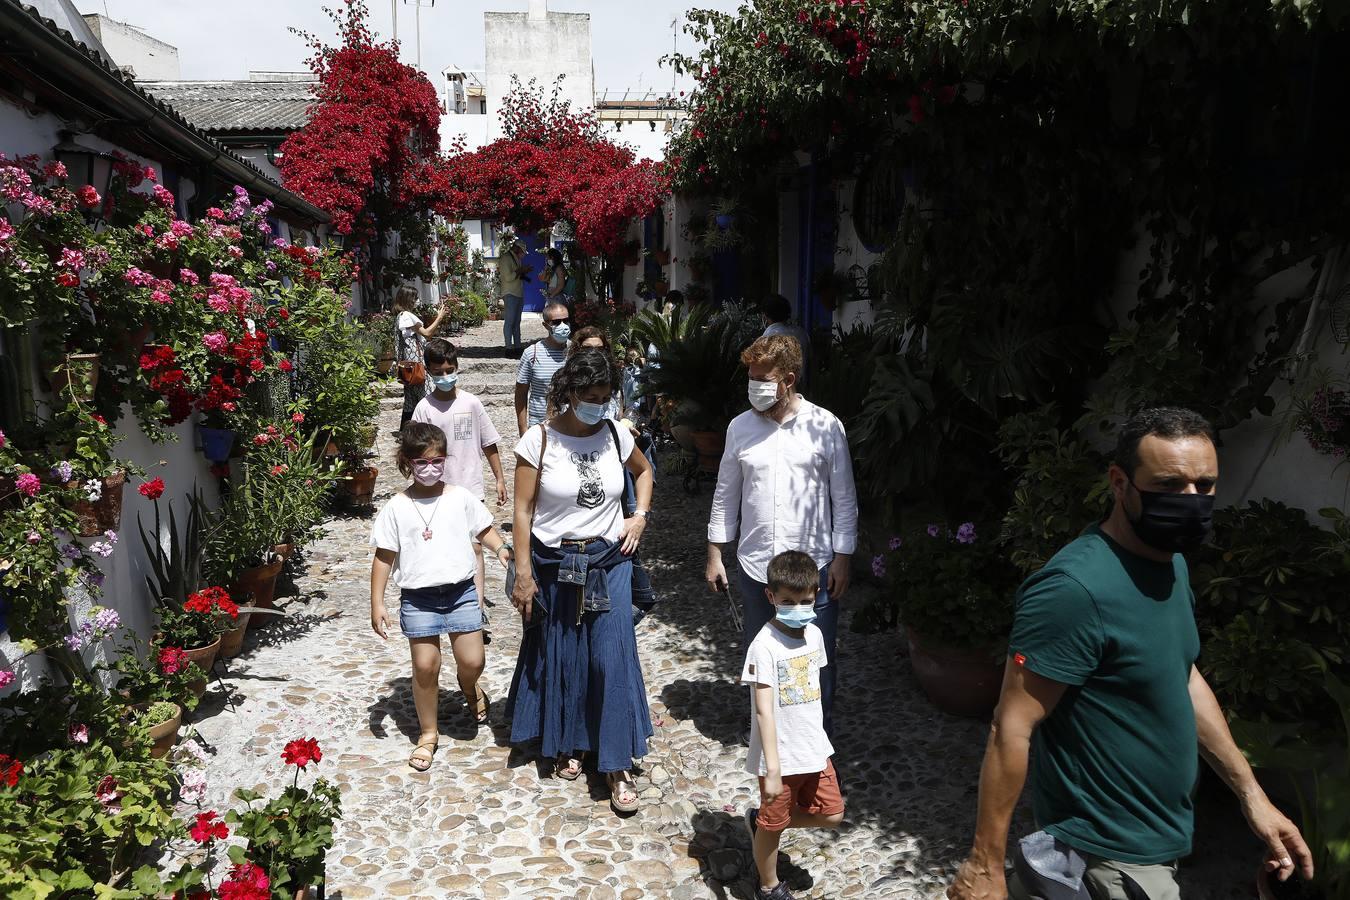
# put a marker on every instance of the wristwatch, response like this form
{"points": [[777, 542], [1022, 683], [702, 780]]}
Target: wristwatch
{"points": [[645, 513]]}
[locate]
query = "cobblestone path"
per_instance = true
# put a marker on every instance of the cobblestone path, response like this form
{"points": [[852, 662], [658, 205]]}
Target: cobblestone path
{"points": [[488, 821]]}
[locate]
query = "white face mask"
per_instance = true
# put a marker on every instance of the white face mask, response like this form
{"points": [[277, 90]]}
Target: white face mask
{"points": [[763, 394]]}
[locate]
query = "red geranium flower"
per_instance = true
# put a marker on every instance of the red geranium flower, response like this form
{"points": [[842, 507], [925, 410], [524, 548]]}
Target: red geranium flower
{"points": [[10, 770], [301, 752], [285, 365], [154, 489], [246, 882], [208, 828], [172, 660]]}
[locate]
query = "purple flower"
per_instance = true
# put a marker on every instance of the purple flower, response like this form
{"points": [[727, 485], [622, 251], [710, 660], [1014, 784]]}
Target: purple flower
{"points": [[79, 734], [74, 642], [34, 537], [70, 551], [63, 471], [879, 566], [934, 530], [102, 548], [6, 678], [895, 542], [966, 533], [107, 620]]}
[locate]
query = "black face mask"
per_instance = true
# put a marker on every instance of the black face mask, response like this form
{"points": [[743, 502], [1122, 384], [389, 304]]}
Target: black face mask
{"points": [[1172, 523]]}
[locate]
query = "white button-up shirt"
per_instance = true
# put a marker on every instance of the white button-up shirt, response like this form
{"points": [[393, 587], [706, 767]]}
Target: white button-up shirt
{"points": [[785, 487]]}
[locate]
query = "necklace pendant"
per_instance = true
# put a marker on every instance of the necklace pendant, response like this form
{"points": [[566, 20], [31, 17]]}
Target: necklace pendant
{"points": [[426, 534]]}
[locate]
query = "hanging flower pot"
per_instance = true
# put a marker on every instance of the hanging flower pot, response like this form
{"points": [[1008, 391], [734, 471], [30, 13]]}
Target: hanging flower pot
{"points": [[205, 657], [105, 513], [75, 377], [724, 220], [216, 443], [366, 436], [257, 587], [361, 485], [662, 257], [385, 364], [661, 288]]}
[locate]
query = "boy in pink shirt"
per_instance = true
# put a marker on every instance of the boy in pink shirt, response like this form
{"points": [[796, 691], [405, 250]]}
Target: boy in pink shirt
{"points": [[469, 433]]}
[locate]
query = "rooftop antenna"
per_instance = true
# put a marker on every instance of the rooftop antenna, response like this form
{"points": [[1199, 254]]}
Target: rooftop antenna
{"points": [[674, 48], [418, 26]]}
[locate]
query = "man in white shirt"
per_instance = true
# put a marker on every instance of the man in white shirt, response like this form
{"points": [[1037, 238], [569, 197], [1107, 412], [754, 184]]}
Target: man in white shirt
{"points": [[785, 483]]}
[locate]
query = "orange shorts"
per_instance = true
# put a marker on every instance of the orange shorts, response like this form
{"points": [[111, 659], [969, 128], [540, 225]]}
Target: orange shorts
{"points": [[814, 792]]}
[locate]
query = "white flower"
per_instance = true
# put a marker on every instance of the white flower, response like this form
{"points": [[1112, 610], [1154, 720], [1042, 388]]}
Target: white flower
{"points": [[94, 489], [193, 789]]}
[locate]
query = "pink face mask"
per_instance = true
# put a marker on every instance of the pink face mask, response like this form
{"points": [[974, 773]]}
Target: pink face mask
{"points": [[428, 471]]}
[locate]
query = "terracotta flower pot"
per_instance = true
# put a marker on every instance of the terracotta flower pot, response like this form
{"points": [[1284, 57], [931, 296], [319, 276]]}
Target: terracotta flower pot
{"points": [[76, 376], [361, 485], [232, 641], [385, 364], [661, 257], [366, 436], [165, 734], [661, 288], [257, 587], [959, 681], [709, 446], [206, 658], [283, 551], [105, 513]]}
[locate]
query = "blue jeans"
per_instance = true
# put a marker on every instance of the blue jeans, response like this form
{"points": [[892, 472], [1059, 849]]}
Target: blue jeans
{"points": [[511, 319], [757, 611]]}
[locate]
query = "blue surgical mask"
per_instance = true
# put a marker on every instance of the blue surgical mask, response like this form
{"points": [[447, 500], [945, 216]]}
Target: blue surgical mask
{"points": [[562, 332], [445, 382], [796, 616], [590, 413]]}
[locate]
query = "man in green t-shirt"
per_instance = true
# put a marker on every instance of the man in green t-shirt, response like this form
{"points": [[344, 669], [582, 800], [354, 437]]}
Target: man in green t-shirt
{"points": [[1102, 684]]}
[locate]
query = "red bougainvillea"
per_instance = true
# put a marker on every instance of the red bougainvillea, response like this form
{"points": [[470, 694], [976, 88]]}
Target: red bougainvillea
{"points": [[554, 165]]}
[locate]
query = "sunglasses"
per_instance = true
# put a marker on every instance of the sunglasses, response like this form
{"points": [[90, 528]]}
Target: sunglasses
{"points": [[558, 321], [425, 463]]}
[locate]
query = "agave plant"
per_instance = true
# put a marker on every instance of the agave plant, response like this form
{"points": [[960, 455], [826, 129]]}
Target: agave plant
{"points": [[175, 570]]}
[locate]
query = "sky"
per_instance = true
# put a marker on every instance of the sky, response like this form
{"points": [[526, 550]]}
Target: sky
{"points": [[224, 40]]}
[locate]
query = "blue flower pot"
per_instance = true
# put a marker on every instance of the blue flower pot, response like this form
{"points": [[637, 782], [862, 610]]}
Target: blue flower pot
{"points": [[216, 443], [725, 221]]}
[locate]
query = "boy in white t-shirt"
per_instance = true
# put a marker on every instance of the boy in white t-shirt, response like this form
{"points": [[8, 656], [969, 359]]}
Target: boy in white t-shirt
{"points": [[424, 538], [469, 434], [789, 749]]}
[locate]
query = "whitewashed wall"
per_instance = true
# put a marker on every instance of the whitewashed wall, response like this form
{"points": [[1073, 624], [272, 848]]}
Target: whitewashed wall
{"points": [[541, 45], [178, 463]]}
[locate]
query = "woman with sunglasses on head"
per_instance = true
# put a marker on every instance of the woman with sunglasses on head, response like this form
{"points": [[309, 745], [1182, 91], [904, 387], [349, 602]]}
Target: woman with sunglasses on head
{"points": [[424, 537], [578, 685]]}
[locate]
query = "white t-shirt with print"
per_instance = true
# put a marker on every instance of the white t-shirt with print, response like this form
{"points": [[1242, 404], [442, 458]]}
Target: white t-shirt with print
{"points": [[467, 431], [581, 489], [455, 519], [791, 666]]}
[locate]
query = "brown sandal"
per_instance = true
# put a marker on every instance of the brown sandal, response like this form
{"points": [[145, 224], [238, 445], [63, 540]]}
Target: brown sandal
{"points": [[482, 707], [619, 784], [420, 763], [565, 768]]}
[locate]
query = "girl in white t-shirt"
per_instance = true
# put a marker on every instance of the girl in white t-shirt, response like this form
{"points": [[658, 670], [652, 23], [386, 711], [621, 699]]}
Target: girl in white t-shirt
{"points": [[424, 537], [410, 337]]}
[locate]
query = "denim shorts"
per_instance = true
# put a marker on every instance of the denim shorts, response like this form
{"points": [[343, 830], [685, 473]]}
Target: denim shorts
{"points": [[444, 609]]}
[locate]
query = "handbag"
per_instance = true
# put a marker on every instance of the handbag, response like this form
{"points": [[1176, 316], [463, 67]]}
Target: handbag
{"points": [[412, 373]]}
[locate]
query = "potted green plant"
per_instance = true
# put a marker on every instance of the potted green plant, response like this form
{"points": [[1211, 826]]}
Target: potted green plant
{"points": [[954, 593], [1322, 785], [162, 719], [197, 626], [289, 836]]}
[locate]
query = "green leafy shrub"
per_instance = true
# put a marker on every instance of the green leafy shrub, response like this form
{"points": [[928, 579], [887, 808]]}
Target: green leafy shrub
{"points": [[1273, 610]]}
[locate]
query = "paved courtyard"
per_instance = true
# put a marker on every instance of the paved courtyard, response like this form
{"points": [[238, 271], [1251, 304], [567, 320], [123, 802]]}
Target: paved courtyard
{"points": [[489, 821]]}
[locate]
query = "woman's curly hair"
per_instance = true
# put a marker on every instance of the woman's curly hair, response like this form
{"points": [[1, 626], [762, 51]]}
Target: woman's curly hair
{"points": [[583, 370]]}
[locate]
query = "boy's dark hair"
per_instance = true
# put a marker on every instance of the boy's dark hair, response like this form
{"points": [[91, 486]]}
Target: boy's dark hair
{"points": [[439, 351], [793, 570], [418, 438], [776, 308], [1171, 423], [583, 370]]}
